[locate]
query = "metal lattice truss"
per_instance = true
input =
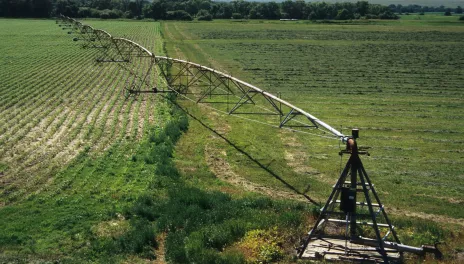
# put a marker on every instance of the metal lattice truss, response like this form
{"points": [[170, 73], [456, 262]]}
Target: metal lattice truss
{"points": [[136, 62], [148, 73], [205, 85]]}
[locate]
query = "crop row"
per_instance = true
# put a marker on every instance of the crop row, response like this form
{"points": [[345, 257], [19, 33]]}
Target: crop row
{"points": [[62, 104], [305, 31]]}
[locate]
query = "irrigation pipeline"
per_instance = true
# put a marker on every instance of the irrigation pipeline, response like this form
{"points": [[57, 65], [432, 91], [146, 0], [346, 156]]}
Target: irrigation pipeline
{"points": [[183, 78]]}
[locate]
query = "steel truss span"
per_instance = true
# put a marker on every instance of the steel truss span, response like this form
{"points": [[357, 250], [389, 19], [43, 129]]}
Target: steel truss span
{"points": [[150, 73]]}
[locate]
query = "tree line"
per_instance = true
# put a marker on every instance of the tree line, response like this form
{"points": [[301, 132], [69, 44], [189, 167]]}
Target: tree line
{"points": [[400, 9], [203, 9]]}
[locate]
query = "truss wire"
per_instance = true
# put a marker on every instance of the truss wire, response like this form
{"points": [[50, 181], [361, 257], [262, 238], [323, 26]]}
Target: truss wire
{"points": [[248, 119]]}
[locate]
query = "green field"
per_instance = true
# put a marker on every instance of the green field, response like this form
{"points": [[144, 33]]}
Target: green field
{"points": [[399, 84], [67, 136], [86, 175]]}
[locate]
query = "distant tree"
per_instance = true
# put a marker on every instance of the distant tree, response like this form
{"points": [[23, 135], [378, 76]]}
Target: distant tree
{"points": [[237, 16], [67, 8], [242, 7], [124, 4], [293, 9], [344, 14], [84, 12], [312, 16], [102, 4], [42, 8], [288, 9], [118, 5], [388, 15], [204, 15], [362, 7], [155, 10], [92, 12], [298, 9], [321, 10], [110, 14], [135, 8], [392, 7], [225, 11], [178, 15], [459, 10], [192, 7], [146, 11], [17, 8], [254, 13], [273, 10], [205, 5], [461, 18]]}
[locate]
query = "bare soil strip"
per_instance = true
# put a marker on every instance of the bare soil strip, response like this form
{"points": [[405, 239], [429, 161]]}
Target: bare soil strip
{"points": [[160, 251], [215, 158]]}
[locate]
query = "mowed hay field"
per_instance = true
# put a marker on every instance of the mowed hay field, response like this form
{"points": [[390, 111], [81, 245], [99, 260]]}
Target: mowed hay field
{"points": [[89, 176], [400, 83]]}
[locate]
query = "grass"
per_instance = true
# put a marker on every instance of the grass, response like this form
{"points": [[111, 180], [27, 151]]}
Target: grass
{"points": [[89, 177], [67, 138], [43, 117], [398, 81], [399, 84], [86, 176]]}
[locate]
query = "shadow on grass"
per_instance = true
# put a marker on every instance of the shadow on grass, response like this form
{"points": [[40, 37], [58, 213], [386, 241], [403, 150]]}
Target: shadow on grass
{"points": [[251, 158]]}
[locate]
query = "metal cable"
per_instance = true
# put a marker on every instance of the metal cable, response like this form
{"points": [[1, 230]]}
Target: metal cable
{"points": [[245, 118]]}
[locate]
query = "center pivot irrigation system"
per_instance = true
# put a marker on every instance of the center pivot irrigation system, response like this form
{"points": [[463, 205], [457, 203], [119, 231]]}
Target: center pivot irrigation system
{"points": [[353, 224]]}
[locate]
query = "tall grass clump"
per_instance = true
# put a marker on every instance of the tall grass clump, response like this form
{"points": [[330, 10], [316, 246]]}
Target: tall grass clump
{"points": [[420, 232]]}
